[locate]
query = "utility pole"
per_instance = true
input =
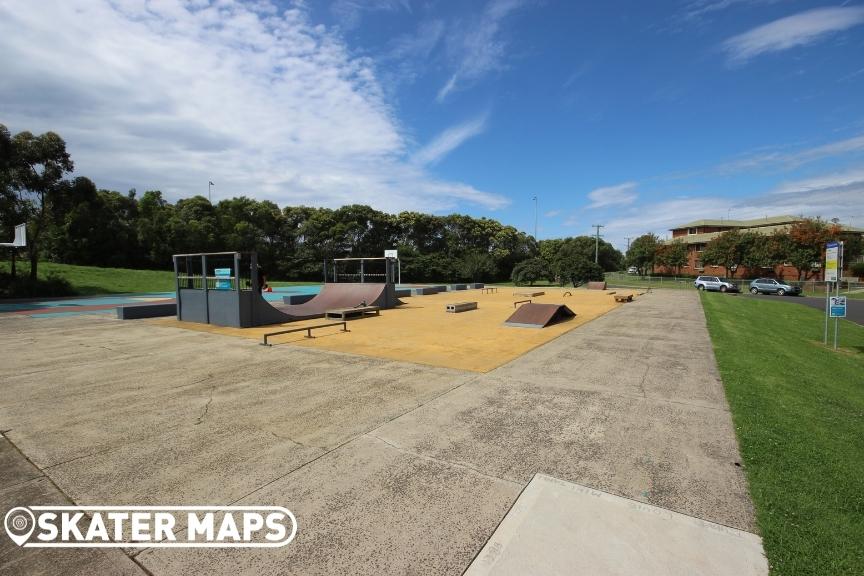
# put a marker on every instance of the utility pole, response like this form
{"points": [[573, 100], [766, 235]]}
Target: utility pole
{"points": [[597, 242], [627, 238], [535, 218]]}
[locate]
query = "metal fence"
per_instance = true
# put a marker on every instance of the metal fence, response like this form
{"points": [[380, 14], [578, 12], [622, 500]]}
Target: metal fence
{"points": [[816, 287]]}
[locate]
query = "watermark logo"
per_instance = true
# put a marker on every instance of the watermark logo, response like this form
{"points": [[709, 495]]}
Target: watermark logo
{"points": [[150, 526]]}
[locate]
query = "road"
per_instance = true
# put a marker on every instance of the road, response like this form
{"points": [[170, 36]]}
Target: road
{"points": [[854, 308]]}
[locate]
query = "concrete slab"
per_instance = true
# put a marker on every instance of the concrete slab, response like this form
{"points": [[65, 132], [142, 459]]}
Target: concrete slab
{"points": [[558, 527], [392, 467], [42, 561], [365, 508]]}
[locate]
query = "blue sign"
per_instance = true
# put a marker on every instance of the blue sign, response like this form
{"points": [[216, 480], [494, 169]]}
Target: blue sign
{"points": [[837, 307], [223, 278]]}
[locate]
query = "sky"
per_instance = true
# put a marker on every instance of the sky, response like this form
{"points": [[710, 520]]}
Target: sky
{"points": [[634, 115]]}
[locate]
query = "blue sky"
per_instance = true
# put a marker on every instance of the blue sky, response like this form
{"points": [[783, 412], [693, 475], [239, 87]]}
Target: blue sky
{"points": [[636, 115]]}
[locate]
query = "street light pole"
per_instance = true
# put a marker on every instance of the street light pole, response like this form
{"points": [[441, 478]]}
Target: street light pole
{"points": [[535, 218], [597, 242]]}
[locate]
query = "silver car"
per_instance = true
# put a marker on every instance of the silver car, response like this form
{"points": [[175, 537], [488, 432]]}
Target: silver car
{"points": [[772, 286], [715, 283]]}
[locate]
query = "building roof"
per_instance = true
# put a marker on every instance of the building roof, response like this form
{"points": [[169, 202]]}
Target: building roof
{"points": [[767, 221], [766, 230]]}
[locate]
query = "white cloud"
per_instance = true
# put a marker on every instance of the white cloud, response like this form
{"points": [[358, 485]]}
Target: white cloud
{"points": [[828, 196], [782, 158], [448, 141], [169, 95], [796, 30], [478, 49], [836, 180], [552, 213], [618, 195], [350, 12]]}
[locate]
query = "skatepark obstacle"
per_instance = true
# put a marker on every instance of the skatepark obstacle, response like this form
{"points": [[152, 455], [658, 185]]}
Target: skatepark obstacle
{"points": [[223, 288], [307, 329], [461, 307], [539, 315]]}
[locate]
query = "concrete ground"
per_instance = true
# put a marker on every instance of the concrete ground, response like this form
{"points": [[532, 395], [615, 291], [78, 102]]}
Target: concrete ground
{"points": [[389, 467]]}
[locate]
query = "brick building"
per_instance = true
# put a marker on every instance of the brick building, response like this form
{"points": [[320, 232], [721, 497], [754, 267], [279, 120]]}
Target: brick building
{"points": [[697, 234]]}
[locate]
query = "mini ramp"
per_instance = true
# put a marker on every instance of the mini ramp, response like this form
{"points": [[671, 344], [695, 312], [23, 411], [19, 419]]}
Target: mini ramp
{"points": [[333, 295], [539, 315]]}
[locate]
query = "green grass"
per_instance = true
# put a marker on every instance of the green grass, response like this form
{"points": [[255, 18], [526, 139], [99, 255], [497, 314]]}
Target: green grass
{"points": [[798, 410], [615, 279], [89, 280]]}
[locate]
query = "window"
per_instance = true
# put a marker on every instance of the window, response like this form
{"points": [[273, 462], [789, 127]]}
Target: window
{"points": [[691, 231]]}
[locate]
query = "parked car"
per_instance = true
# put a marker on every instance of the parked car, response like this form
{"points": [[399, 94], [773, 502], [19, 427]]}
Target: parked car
{"points": [[632, 270], [715, 284], [772, 286]]}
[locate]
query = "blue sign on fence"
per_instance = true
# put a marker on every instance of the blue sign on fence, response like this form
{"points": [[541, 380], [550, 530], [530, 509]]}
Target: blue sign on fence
{"points": [[223, 278], [837, 306]]}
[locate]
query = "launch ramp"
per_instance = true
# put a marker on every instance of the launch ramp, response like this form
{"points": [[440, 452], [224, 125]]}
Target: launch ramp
{"points": [[539, 315]]}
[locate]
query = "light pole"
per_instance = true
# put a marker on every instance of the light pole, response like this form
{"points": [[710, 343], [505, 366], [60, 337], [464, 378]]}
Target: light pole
{"points": [[627, 238], [209, 186], [597, 243], [535, 218]]}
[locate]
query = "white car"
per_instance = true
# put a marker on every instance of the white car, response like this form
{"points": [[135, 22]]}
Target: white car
{"points": [[632, 270]]}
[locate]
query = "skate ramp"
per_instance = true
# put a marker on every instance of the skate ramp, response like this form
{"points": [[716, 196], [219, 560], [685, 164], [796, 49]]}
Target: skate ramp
{"points": [[334, 295], [539, 315]]}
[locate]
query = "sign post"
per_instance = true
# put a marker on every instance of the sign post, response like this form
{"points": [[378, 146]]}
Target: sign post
{"points": [[831, 253], [835, 306]]}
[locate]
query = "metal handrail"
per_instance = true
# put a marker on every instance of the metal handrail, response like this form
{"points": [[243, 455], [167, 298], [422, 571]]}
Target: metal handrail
{"points": [[308, 330]]}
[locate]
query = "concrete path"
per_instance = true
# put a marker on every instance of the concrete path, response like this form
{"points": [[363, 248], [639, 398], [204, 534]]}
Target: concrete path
{"points": [[389, 467]]}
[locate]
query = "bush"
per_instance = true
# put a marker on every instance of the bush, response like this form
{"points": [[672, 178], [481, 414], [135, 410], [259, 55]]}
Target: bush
{"points": [[22, 287], [857, 269]]}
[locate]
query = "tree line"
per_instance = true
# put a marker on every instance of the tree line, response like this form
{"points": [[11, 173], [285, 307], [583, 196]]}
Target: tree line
{"points": [[72, 221], [801, 244]]}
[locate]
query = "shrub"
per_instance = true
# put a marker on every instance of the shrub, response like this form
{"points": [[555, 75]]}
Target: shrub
{"points": [[857, 269]]}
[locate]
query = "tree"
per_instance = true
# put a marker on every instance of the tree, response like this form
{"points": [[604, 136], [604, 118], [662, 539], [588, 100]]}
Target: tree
{"points": [[39, 165], [576, 269], [530, 271], [806, 244], [475, 265], [672, 255], [643, 252], [12, 210], [725, 250]]}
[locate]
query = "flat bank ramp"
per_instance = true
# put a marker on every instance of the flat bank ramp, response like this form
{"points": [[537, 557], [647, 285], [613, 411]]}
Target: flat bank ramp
{"points": [[539, 315], [335, 295], [560, 528]]}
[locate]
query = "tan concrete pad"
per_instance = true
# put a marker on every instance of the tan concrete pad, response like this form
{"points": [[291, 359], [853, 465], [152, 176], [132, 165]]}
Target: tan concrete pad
{"points": [[561, 528], [423, 332]]}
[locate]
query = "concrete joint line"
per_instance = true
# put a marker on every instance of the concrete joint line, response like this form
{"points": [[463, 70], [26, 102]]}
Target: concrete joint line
{"points": [[447, 462]]}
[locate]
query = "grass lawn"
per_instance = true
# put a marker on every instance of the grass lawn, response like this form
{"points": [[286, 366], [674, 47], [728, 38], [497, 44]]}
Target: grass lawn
{"points": [[89, 280], [798, 410], [615, 279]]}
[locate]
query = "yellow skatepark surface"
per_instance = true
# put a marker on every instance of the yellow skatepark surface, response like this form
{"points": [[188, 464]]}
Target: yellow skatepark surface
{"points": [[422, 332]]}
